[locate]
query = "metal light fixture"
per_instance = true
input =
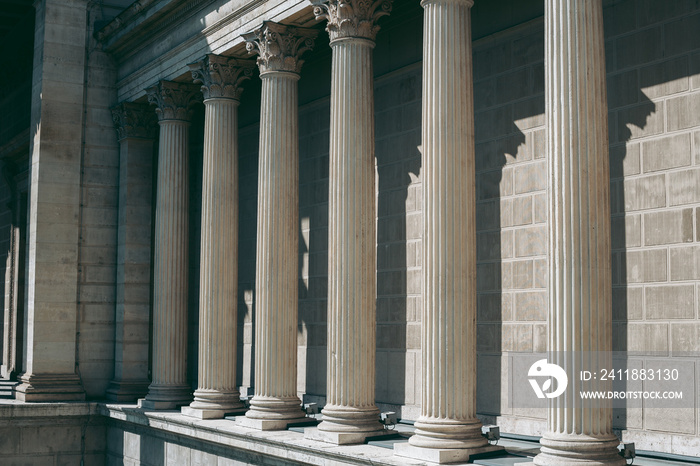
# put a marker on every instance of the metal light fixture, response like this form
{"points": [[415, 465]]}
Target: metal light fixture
{"points": [[389, 419], [311, 409], [627, 451], [492, 433]]}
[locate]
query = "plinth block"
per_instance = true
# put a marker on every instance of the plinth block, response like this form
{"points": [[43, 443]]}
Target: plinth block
{"points": [[442, 455], [343, 438]]}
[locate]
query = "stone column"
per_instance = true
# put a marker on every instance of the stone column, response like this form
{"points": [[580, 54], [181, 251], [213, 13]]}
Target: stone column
{"points": [[11, 325], [169, 387], [448, 430], [350, 414], [136, 130], [580, 306], [275, 402], [53, 237], [217, 392]]}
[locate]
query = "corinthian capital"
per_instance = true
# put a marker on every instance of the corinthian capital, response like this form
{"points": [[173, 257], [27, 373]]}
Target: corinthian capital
{"points": [[221, 76], [280, 47], [173, 100], [132, 120], [351, 18]]}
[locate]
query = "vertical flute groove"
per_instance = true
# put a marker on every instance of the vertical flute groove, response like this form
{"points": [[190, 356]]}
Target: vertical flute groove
{"points": [[448, 412], [276, 287], [217, 388], [579, 231]]}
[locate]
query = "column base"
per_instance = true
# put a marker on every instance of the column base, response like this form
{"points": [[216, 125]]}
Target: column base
{"points": [[49, 387], [127, 390], [162, 397], [346, 419], [343, 438], [272, 413], [442, 455], [583, 450]]}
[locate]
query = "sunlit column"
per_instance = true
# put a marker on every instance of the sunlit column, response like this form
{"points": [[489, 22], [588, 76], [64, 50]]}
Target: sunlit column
{"points": [[217, 392], [169, 387], [448, 429], [275, 402], [578, 431], [350, 413]]}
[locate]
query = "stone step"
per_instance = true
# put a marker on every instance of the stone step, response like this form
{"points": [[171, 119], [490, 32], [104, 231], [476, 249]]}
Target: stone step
{"points": [[7, 388]]}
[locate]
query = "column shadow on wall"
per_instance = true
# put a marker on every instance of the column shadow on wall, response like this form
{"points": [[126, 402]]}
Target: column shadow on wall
{"points": [[626, 302], [313, 249], [397, 260], [492, 308]]}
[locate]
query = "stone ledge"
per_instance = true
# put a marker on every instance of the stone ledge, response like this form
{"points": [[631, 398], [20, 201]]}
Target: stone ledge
{"points": [[14, 409], [287, 445]]}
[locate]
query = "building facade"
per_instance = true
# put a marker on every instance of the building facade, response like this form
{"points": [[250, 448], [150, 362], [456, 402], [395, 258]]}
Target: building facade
{"points": [[368, 205]]}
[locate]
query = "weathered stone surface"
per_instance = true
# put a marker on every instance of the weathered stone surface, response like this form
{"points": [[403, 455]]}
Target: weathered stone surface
{"points": [[579, 225], [670, 302]]}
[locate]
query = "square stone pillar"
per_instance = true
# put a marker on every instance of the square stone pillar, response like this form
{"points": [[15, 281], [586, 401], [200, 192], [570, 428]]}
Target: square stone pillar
{"points": [[54, 203]]}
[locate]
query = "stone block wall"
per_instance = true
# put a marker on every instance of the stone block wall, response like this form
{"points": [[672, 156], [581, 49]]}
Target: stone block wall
{"points": [[98, 223], [511, 212], [61, 434], [652, 54]]}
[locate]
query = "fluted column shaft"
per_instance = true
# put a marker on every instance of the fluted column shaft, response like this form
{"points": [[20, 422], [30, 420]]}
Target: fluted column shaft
{"points": [[275, 402], [276, 282], [136, 127], [449, 234], [169, 372], [579, 431], [217, 392], [169, 387], [216, 387], [352, 27], [352, 239]]}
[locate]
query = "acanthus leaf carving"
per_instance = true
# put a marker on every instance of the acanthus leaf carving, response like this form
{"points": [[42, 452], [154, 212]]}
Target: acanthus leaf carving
{"points": [[221, 76], [174, 101], [351, 18], [279, 46], [133, 120]]}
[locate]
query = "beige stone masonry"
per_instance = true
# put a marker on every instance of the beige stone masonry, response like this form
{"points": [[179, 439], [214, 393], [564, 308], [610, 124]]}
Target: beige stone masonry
{"points": [[275, 402], [169, 387], [55, 157], [136, 127], [580, 313], [350, 413], [217, 393]]}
